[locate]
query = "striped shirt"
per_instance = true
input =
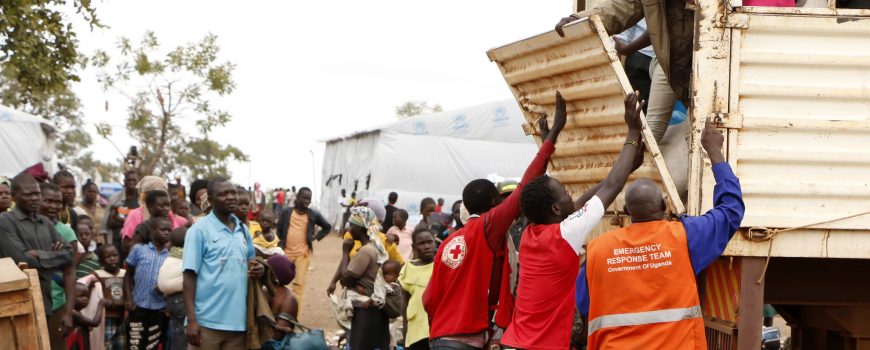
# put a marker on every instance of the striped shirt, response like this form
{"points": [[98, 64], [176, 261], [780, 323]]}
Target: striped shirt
{"points": [[146, 260]]}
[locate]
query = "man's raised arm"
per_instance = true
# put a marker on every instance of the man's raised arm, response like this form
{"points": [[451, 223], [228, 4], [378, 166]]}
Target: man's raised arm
{"points": [[504, 214]]}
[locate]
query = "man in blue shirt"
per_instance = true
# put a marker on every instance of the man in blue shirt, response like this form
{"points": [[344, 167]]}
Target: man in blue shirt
{"points": [[218, 260], [706, 235]]}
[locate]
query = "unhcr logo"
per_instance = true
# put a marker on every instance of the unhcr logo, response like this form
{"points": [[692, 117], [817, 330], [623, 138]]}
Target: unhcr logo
{"points": [[500, 117], [420, 127], [460, 124]]}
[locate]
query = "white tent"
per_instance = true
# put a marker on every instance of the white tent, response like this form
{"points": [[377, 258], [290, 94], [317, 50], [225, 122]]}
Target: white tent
{"points": [[24, 141], [427, 156]]}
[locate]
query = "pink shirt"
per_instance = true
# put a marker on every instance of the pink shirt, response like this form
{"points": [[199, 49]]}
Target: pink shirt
{"points": [[134, 218], [405, 243]]}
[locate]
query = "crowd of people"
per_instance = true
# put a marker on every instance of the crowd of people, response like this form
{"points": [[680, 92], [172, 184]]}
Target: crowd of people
{"points": [[161, 267]]}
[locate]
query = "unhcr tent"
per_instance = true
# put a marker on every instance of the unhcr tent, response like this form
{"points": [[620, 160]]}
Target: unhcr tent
{"points": [[24, 141], [427, 156]]}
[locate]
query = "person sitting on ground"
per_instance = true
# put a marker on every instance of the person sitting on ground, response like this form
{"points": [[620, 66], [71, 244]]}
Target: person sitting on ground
{"points": [[147, 321], [111, 278], [674, 253], [414, 278], [266, 242], [284, 305], [170, 282], [470, 268], [403, 232], [79, 339], [545, 258]]}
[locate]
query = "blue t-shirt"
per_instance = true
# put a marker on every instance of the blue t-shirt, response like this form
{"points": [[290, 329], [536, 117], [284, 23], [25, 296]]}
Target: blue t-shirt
{"points": [[146, 260], [706, 235], [219, 257]]}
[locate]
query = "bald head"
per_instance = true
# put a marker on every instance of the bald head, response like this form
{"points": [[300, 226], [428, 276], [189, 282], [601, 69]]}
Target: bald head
{"points": [[644, 201]]}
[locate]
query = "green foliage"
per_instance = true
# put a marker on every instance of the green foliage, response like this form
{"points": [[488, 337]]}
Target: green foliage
{"points": [[412, 108], [38, 46], [169, 94]]}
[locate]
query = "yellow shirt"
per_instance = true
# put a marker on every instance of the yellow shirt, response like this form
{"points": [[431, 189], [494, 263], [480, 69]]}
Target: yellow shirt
{"points": [[254, 229], [414, 280], [392, 249], [296, 243]]}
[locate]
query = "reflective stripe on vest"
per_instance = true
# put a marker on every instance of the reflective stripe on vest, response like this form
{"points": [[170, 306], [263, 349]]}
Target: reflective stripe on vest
{"points": [[643, 318]]}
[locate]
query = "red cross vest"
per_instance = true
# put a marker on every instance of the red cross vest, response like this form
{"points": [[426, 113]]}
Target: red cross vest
{"points": [[642, 289], [457, 297]]}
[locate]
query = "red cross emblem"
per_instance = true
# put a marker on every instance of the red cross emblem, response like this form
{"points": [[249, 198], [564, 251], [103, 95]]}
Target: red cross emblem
{"points": [[454, 252]]}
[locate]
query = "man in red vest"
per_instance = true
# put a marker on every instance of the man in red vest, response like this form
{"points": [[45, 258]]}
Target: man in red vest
{"points": [[551, 246], [469, 277], [638, 286]]}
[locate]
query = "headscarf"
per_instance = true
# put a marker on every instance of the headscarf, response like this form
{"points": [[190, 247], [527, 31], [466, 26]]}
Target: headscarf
{"points": [[147, 184], [365, 217], [376, 206]]}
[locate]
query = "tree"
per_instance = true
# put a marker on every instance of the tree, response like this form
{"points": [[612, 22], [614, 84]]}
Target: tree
{"points": [[38, 47], [412, 108], [38, 59], [63, 109], [168, 94]]}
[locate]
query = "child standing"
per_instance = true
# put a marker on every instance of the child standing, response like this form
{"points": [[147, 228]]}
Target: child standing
{"points": [[170, 281], [147, 321], [401, 229], [111, 277], [86, 261], [78, 339], [414, 278]]}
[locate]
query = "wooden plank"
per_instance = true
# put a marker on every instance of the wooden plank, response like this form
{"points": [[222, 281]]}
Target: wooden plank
{"points": [[649, 139], [11, 278], [25, 332], [7, 334], [41, 323], [23, 307]]}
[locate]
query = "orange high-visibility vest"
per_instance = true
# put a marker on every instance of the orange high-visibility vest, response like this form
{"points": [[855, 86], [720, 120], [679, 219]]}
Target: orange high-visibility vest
{"points": [[642, 289]]}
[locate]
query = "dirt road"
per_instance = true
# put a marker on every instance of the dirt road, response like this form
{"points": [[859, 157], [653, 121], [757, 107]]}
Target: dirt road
{"points": [[316, 312]]}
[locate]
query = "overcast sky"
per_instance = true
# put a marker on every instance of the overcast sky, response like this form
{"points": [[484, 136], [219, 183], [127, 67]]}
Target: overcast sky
{"points": [[311, 70]]}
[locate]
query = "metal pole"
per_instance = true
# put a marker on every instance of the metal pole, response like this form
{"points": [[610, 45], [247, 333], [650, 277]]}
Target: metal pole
{"points": [[313, 177]]}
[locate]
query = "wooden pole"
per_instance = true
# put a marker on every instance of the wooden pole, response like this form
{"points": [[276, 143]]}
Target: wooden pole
{"points": [[751, 304]]}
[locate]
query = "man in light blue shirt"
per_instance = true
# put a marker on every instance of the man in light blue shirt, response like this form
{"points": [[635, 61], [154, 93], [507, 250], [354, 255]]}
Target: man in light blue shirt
{"points": [[218, 260]]}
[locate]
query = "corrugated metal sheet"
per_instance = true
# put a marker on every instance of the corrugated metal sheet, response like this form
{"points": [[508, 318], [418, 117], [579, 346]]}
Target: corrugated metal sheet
{"points": [[584, 67], [802, 86]]}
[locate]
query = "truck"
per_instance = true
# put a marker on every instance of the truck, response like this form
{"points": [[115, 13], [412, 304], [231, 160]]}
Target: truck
{"points": [[790, 90]]}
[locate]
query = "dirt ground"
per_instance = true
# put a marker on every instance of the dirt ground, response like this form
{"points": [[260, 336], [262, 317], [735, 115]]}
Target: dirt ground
{"points": [[316, 311]]}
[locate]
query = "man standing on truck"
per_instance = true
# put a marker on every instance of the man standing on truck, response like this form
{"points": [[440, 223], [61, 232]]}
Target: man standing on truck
{"points": [[653, 263], [671, 29]]}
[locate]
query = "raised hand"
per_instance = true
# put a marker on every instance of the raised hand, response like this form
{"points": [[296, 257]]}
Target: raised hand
{"points": [[543, 126], [712, 142], [563, 22], [633, 110], [560, 118]]}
